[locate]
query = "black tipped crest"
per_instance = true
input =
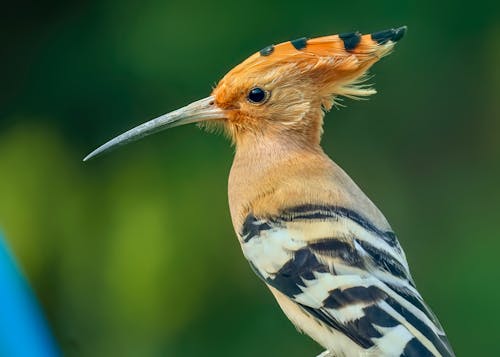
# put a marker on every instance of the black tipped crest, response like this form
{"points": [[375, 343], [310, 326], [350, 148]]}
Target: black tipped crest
{"points": [[389, 35], [299, 43], [351, 40], [266, 51]]}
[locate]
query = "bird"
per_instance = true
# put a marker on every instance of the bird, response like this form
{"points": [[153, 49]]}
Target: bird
{"points": [[322, 247]]}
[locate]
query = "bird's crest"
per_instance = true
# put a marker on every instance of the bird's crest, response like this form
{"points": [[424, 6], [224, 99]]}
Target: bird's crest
{"points": [[336, 63]]}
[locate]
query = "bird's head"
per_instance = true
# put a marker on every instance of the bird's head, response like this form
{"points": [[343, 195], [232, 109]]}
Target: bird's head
{"points": [[282, 90]]}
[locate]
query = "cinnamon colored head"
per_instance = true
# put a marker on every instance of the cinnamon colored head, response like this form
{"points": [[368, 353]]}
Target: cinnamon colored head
{"points": [[283, 89]]}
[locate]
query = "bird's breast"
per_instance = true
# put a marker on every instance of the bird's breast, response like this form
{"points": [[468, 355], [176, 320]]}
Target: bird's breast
{"points": [[266, 183]]}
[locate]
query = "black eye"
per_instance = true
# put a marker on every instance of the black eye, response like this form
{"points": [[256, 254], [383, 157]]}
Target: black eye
{"points": [[257, 95]]}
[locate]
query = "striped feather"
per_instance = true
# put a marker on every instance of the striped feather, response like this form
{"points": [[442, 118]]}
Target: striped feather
{"points": [[346, 273]]}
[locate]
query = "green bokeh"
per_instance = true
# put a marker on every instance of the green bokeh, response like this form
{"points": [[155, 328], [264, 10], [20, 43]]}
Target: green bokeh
{"points": [[133, 254]]}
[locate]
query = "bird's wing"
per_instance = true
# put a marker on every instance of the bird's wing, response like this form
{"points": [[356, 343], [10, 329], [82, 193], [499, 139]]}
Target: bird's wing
{"points": [[348, 274]]}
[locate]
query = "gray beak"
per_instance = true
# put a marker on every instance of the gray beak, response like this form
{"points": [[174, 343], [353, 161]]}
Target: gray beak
{"points": [[201, 110]]}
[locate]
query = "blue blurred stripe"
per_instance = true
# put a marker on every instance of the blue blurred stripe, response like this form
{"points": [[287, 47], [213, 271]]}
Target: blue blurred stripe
{"points": [[23, 330]]}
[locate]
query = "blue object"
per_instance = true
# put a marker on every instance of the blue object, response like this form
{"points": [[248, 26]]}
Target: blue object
{"points": [[23, 330]]}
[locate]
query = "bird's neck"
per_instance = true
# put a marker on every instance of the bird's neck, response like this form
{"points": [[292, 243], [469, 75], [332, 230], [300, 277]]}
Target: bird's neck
{"points": [[263, 167], [269, 175]]}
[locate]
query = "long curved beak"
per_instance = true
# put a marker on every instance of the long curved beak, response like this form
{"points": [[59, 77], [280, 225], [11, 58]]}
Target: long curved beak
{"points": [[201, 110]]}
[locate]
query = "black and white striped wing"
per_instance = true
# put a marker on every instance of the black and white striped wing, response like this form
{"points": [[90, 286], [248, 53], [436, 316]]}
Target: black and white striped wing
{"points": [[346, 273]]}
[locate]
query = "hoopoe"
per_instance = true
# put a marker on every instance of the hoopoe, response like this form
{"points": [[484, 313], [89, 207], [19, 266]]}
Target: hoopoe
{"points": [[328, 255]]}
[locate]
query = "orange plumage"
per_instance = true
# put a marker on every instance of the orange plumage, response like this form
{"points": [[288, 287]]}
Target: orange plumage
{"points": [[302, 82]]}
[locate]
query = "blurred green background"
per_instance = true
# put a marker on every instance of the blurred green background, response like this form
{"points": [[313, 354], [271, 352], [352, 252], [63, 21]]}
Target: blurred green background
{"points": [[133, 254]]}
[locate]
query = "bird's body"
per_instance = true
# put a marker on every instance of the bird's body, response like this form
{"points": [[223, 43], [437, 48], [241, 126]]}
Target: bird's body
{"points": [[323, 248], [328, 255]]}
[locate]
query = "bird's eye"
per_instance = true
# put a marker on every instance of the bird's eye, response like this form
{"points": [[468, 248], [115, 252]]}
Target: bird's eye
{"points": [[257, 95]]}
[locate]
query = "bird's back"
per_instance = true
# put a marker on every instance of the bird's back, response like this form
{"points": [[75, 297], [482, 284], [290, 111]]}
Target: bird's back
{"points": [[328, 255]]}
